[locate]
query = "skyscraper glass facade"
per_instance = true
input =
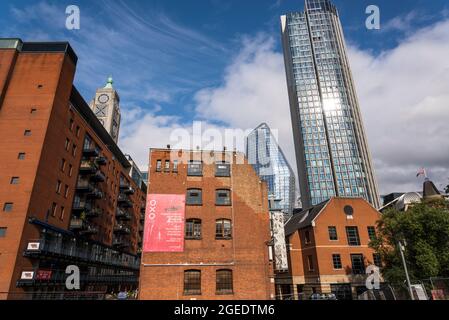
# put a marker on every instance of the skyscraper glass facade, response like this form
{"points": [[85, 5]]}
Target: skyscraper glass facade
{"points": [[264, 153], [331, 148]]}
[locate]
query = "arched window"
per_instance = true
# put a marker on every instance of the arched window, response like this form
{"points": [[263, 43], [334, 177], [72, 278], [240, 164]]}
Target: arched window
{"points": [[223, 197], [192, 282], [223, 229], [193, 229], [224, 282], [194, 197]]}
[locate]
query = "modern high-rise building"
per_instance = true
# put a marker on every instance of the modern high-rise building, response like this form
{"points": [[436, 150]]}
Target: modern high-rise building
{"points": [[267, 158], [331, 149], [106, 106]]}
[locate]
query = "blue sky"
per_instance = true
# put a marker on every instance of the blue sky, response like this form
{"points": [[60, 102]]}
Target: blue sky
{"points": [[178, 61]]}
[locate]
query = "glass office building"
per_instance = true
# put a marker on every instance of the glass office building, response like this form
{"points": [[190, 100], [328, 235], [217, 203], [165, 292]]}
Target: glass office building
{"points": [[265, 155], [331, 149]]}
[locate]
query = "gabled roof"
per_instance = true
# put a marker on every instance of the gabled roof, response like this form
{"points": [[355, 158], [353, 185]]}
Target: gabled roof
{"points": [[304, 218]]}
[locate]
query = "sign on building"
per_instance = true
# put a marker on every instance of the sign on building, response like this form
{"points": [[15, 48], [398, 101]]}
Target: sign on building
{"points": [[164, 223]]}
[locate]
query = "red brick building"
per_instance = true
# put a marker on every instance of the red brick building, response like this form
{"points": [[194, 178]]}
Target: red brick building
{"points": [[328, 250], [227, 229], [66, 197]]}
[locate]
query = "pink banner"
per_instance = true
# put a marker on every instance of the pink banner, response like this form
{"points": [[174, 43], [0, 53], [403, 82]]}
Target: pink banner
{"points": [[164, 223]]}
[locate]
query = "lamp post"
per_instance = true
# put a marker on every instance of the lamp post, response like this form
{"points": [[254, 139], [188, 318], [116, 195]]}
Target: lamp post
{"points": [[402, 245]]}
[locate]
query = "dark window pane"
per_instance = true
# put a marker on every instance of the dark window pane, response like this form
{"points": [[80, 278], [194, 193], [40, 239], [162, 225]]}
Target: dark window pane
{"points": [[223, 198], [377, 260], [159, 165], [336, 259], [352, 234], [358, 265], [195, 168], [222, 169], [2, 232], [193, 229], [192, 282], [223, 229], [224, 282], [372, 233], [194, 197], [7, 207], [333, 234]]}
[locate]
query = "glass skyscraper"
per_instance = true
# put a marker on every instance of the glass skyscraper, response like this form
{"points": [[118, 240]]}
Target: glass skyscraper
{"points": [[265, 155], [331, 149]]}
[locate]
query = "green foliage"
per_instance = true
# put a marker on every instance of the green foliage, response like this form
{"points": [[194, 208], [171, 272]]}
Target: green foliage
{"points": [[425, 229]]}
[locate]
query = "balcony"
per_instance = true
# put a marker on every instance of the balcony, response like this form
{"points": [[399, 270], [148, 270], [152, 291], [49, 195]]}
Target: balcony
{"points": [[124, 201], [88, 167], [93, 213], [142, 217], [101, 161], [120, 243], [91, 151], [81, 206], [123, 215], [82, 227], [84, 186], [95, 194], [89, 230], [128, 190], [122, 229], [98, 176]]}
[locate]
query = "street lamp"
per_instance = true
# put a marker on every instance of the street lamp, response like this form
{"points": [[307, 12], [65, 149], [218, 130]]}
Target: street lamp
{"points": [[402, 245]]}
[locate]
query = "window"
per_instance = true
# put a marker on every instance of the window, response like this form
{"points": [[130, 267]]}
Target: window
{"points": [[352, 234], [307, 237], [70, 170], [167, 166], [33, 111], [66, 191], [74, 150], [62, 167], [195, 168], [372, 233], [21, 156], [222, 169], [194, 197], [15, 180], [224, 282], [77, 131], [223, 229], [377, 260], [336, 259], [333, 233], [54, 206], [58, 187], [223, 197], [8, 206], [310, 263], [193, 229], [27, 133], [192, 282], [159, 166], [175, 165], [2, 232], [61, 216], [358, 265], [67, 144], [71, 124]]}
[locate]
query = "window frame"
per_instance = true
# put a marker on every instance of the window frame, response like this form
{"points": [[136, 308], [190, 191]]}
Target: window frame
{"points": [[158, 165], [9, 206], [14, 180], [189, 197], [332, 230], [3, 231], [361, 271], [223, 235], [223, 173], [195, 223], [229, 197], [357, 243], [195, 173], [372, 235], [336, 261], [226, 285], [193, 281]]}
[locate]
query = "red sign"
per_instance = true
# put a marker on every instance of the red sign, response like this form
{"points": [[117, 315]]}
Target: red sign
{"points": [[43, 275], [164, 223]]}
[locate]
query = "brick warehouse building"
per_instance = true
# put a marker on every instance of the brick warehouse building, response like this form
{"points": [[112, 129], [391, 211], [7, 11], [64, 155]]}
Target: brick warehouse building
{"points": [[328, 250], [226, 236], [65, 193]]}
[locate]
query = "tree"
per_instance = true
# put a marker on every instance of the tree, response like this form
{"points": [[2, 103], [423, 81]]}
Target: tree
{"points": [[425, 229]]}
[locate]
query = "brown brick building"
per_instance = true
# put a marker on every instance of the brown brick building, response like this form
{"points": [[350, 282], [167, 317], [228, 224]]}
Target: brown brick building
{"points": [[66, 197], [227, 230], [328, 250]]}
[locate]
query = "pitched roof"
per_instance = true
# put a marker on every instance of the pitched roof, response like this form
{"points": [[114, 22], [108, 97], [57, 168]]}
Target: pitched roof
{"points": [[304, 218]]}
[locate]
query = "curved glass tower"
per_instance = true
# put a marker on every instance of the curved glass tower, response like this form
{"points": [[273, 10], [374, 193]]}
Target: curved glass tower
{"points": [[265, 155], [331, 149]]}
